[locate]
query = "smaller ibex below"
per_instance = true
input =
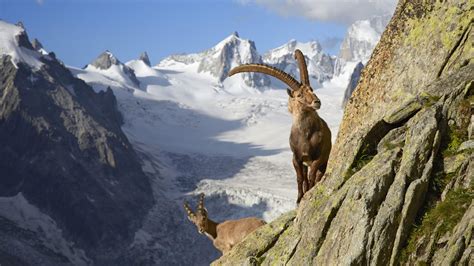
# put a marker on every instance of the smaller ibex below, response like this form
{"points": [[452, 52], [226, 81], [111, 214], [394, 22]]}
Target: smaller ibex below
{"points": [[224, 235]]}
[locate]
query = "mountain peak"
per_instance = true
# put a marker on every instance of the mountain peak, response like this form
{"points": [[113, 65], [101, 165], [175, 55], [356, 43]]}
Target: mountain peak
{"points": [[232, 51], [14, 37], [20, 24], [105, 60], [236, 34], [144, 57]]}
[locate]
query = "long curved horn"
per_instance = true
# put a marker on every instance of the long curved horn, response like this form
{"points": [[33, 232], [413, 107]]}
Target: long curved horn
{"points": [[269, 70], [201, 204], [188, 210], [304, 78]]}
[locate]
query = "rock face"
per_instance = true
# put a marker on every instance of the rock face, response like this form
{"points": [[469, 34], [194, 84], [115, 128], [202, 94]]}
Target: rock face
{"points": [[397, 159], [65, 156], [355, 76]]}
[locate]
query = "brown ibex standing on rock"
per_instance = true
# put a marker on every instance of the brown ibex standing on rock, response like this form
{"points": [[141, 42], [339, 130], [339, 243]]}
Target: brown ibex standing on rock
{"points": [[223, 235], [310, 138]]}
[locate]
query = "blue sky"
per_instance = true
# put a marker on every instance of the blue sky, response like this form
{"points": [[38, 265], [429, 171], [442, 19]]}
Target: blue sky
{"points": [[78, 30]]}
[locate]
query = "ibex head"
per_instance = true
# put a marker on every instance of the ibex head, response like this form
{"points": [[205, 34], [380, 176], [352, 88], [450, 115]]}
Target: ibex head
{"points": [[200, 217], [301, 94]]}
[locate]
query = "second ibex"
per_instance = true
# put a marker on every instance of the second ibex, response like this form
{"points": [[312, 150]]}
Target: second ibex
{"points": [[310, 138]]}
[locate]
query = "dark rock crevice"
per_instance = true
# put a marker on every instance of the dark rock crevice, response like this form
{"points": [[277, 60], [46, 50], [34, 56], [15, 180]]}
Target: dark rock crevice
{"points": [[460, 44]]}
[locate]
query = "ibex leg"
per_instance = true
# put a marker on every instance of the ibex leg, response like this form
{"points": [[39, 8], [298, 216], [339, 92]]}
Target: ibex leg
{"points": [[313, 169], [305, 179], [300, 179], [320, 173]]}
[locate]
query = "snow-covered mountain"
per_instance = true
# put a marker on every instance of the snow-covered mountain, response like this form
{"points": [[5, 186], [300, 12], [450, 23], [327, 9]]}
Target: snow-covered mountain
{"points": [[361, 38], [109, 66], [320, 64], [220, 59]]}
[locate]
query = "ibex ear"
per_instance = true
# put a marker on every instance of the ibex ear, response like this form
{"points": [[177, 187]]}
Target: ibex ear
{"points": [[290, 93]]}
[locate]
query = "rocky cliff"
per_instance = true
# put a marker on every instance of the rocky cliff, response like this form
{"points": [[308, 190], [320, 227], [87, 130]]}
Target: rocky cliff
{"points": [[72, 190], [399, 186]]}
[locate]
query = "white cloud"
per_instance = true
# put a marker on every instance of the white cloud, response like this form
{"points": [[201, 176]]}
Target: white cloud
{"points": [[40, 2], [344, 11]]}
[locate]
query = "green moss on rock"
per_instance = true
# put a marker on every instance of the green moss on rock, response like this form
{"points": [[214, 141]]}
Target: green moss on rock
{"points": [[439, 220]]}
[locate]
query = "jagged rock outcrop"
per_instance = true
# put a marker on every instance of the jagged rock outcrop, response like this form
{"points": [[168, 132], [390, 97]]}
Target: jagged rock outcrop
{"points": [[63, 154], [144, 57], [397, 160], [354, 79]]}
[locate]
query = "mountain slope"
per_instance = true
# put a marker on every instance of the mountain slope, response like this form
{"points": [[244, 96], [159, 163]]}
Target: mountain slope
{"points": [[400, 158], [74, 178]]}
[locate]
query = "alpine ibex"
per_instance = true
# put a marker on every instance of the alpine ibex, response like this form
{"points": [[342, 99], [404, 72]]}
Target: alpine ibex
{"points": [[310, 138], [224, 235]]}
